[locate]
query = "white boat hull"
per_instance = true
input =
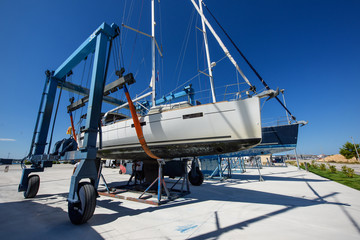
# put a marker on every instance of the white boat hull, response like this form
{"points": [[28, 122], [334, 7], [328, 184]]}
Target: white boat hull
{"points": [[207, 129]]}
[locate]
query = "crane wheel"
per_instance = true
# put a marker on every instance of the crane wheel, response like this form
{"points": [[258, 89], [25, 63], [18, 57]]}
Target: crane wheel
{"points": [[33, 186], [82, 211]]}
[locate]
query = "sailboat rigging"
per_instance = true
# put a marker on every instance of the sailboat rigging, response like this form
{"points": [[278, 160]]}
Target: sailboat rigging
{"points": [[183, 129]]}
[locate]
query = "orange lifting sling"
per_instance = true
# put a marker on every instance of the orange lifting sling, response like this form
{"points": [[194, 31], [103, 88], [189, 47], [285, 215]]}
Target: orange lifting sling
{"points": [[137, 125], [72, 126]]}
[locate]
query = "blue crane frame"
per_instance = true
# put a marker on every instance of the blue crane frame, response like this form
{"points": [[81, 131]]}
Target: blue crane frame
{"points": [[96, 43]]}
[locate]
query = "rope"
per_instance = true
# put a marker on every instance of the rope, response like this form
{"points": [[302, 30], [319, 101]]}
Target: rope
{"points": [[194, 76], [53, 125], [184, 47], [116, 63], [81, 81], [136, 35], [131, 9], [251, 66], [87, 83], [121, 54]]}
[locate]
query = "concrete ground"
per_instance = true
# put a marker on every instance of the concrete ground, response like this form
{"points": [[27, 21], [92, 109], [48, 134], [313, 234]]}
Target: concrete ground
{"points": [[290, 204]]}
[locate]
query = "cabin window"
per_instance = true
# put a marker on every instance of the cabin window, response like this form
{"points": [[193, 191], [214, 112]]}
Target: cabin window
{"points": [[141, 124], [194, 115]]}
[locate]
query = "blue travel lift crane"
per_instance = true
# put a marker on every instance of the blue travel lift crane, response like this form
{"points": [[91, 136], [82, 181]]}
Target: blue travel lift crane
{"points": [[82, 195]]}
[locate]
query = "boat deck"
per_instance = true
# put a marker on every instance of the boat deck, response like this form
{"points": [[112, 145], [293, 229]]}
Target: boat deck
{"points": [[290, 204]]}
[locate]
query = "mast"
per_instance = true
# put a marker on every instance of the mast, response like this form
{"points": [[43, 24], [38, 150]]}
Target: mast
{"points": [[152, 83], [226, 51], [207, 55]]}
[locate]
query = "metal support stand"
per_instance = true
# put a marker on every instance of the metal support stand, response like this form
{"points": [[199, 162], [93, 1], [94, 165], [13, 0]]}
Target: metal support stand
{"points": [[161, 183], [106, 186], [242, 162], [214, 172], [229, 168], [102, 177], [258, 167], [238, 165], [222, 170], [185, 180], [172, 194], [258, 159], [297, 160], [267, 162]]}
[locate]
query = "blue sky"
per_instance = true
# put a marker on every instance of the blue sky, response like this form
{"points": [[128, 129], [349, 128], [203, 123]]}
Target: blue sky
{"points": [[310, 48]]}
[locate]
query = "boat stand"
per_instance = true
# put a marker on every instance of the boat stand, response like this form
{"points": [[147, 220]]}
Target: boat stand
{"points": [[270, 163], [297, 160], [185, 180], [255, 162], [258, 167], [123, 192], [102, 177], [221, 171], [237, 165], [161, 182]]}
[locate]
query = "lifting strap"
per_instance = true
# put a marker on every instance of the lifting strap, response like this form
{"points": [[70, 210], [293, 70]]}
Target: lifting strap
{"points": [[72, 126], [137, 125]]}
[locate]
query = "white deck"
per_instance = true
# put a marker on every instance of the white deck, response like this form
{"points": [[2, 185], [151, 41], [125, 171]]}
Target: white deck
{"points": [[290, 204]]}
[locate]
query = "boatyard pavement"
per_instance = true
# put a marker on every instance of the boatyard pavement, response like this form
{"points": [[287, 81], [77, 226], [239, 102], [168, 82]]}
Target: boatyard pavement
{"points": [[289, 204]]}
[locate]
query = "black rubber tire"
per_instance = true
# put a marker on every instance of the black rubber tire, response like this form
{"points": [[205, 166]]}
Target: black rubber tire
{"points": [[33, 186], [82, 211], [196, 179]]}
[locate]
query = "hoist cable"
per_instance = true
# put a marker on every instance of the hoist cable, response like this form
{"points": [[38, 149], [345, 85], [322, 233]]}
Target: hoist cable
{"points": [[81, 81], [53, 125], [252, 68], [87, 83], [137, 34], [122, 63]]}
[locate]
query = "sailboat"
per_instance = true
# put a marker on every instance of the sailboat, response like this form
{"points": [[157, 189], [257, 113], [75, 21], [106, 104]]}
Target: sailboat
{"points": [[184, 129]]}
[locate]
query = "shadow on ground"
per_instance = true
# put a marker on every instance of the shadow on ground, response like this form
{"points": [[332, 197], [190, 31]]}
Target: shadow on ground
{"points": [[212, 191], [30, 219], [39, 219]]}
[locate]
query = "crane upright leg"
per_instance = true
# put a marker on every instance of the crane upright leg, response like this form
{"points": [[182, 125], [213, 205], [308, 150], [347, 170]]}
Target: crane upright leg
{"points": [[82, 194]]}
